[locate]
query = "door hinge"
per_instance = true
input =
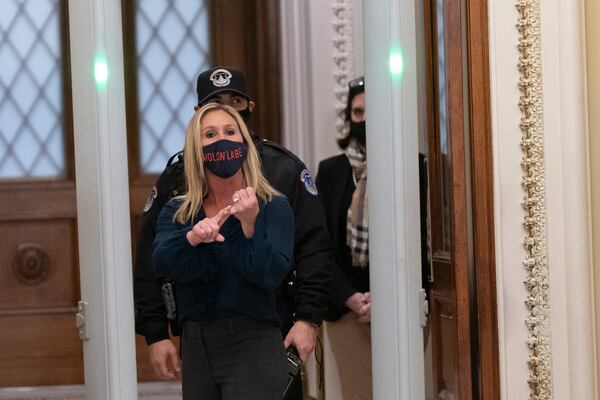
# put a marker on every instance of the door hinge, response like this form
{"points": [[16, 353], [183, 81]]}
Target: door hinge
{"points": [[424, 305], [80, 320]]}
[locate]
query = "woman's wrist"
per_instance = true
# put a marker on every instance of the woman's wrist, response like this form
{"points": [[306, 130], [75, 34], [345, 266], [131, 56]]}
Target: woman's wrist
{"points": [[248, 227], [248, 231]]}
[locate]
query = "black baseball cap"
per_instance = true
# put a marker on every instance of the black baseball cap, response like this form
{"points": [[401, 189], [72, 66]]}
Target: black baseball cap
{"points": [[220, 79]]}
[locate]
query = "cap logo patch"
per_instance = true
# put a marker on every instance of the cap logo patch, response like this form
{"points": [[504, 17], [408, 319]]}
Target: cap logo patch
{"points": [[220, 77], [309, 183]]}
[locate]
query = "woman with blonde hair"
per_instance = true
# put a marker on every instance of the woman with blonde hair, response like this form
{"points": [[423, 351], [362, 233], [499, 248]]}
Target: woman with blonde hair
{"points": [[228, 244]]}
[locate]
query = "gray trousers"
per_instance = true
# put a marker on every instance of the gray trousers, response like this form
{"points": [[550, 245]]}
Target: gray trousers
{"points": [[233, 358]]}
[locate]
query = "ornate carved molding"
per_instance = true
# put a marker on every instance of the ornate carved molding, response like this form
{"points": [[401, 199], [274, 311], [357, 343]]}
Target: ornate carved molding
{"points": [[343, 58], [31, 263], [534, 202]]}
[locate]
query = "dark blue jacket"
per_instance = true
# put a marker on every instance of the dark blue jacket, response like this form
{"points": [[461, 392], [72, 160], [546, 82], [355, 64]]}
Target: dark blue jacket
{"points": [[238, 276]]}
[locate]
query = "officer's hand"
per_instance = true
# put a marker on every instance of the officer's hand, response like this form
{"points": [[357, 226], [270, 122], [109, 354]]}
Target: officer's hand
{"points": [[164, 359], [207, 230], [303, 336], [245, 208]]}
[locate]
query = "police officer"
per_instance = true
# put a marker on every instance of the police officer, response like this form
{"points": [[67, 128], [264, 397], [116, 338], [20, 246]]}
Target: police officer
{"points": [[302, 311]]}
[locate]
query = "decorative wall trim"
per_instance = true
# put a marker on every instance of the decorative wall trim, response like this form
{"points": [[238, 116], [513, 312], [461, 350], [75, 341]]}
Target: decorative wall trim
{"points": [[534, 202], [343, 58]]}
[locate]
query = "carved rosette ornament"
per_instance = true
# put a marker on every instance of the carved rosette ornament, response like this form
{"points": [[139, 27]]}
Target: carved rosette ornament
{"points": [[343, 58], [534, 202], [31, 263]]}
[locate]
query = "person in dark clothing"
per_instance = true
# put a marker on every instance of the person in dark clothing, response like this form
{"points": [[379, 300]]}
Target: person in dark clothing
{"points": [[301, 310], [342, 183], [227, 244]]}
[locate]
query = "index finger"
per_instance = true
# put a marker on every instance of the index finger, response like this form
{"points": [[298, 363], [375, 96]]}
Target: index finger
{"points": [[222, 215]]}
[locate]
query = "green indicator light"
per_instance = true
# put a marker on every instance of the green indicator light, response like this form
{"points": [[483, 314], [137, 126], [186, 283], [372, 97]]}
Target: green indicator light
{"points": [[101, 71], [396, 63]]}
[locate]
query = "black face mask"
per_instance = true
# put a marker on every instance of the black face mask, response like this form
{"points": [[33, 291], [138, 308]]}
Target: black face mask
{"points": [[245, 114], [358, 131]]}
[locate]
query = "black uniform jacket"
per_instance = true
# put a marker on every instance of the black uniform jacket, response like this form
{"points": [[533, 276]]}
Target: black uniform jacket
{"points": [[312, 247], [336, 186]]}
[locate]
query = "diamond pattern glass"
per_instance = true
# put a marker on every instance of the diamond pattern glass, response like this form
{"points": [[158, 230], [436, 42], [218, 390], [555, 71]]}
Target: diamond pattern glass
{"points": [[172, 44], [31, 114]]}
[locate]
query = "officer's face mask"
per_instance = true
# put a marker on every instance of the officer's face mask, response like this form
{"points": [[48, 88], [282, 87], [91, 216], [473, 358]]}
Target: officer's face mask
{"points": [[224, 157], [358, 131], [245, 114]]}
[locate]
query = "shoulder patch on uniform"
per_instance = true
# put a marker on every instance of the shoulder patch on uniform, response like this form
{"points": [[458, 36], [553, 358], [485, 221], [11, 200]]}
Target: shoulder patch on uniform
{"points": [[150, 201], [308, 181]]}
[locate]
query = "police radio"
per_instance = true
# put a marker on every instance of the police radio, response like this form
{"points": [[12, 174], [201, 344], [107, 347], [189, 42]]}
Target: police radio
{"points": [[294, 367], [168, 294]]}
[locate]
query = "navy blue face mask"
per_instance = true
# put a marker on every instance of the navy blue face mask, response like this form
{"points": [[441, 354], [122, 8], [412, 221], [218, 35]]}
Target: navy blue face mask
{"points": [[224, 157]]}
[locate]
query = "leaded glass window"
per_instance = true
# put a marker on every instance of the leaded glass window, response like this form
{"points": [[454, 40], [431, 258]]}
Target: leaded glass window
{"points": [[172, 45], [31, 95]]}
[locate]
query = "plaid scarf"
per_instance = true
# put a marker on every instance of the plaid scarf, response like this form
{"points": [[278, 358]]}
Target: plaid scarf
{"points": [[357, 225]]}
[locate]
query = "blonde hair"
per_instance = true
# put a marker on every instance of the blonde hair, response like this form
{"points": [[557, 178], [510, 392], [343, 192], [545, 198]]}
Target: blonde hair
{"points": [[195, 176]]}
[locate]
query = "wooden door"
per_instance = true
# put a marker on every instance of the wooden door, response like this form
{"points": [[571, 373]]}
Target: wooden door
{"points": [[463, 321], [241, 34], [39, 273], [450, 303]]}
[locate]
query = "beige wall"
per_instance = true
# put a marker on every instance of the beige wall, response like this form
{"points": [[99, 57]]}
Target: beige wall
{"points": [[593, 92]]}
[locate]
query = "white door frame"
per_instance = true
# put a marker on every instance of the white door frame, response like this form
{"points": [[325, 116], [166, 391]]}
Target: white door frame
{"points": [[393, 185], [103, 200]]}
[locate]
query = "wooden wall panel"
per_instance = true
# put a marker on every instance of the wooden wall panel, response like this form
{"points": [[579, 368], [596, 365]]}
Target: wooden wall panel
{"points": [[42, 349], [41, 272]]}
